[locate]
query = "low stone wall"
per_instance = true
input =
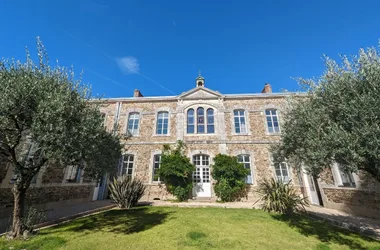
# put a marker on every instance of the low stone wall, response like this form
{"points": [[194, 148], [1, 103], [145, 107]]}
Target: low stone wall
{"points": [[41, 195], [360, 202]]}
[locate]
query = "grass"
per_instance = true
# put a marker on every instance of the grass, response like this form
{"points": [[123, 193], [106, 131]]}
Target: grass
{"points": [[193, 228]]}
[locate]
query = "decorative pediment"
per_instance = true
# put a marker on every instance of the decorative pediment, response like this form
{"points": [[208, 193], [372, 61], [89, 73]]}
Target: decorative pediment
{"points": [[200, 93]]}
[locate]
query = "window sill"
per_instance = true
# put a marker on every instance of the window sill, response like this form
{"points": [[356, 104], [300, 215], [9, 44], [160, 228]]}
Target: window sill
{"points": [[241, 134], [273, 134], [204, 134], [161, 135]]}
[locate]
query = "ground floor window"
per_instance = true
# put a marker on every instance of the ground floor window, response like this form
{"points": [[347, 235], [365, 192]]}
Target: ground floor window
{"points": [[282, 171], [127, 167], [156, 166], [347, 178], [245, 159]]}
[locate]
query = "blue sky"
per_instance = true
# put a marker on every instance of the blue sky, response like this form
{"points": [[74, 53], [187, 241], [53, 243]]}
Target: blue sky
{"points": [[159, 46]]}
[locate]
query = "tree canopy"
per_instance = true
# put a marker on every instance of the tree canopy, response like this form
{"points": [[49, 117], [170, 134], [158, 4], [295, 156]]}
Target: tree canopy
{"points": [[46, 115], [338, 119]]}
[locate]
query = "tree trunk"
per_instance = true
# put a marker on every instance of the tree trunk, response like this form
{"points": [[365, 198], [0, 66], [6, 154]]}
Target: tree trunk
{"points": [[318, 190], [18, 212]]}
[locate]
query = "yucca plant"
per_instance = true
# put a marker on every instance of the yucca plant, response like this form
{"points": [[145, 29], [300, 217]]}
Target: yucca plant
{"points": [[126, 192], [280, 197]]}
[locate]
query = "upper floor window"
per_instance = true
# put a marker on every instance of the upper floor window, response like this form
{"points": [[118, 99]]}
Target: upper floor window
{"points": [[190, 121], [272, 121], [162, 123], [239, 121], [127, 167], [245, 159], [210, 121], [133, 123], [156, 167], [282, 171], [200, 122]]}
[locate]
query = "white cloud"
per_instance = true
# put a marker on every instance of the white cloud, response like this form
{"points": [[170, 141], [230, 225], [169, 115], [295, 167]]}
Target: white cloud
{"points": [[129, 65]]}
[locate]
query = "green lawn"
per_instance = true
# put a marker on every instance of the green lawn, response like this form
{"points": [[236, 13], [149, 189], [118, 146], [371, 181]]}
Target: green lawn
{"points": [[193, 228]]}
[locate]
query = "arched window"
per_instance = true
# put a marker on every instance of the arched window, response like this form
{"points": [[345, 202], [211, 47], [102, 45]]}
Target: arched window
{"points": [[133, 123], [210, 121], [245, 159], [272, 121], [200, 121], [162, 123], [127, 167], [190, 121], [239, 121]]}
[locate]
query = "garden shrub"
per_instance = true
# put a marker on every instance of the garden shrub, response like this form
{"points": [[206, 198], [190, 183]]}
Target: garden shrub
{"points": [[176, 171], [280, 197], [230, 177], [126, 192]]}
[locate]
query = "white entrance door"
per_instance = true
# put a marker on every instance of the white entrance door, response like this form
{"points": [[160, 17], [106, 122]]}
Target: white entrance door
{"points": [[201, 176], [313, 192]]}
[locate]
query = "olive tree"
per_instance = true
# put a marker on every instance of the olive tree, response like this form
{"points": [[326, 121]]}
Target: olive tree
{"points": [[338, 119], [46, 115]]}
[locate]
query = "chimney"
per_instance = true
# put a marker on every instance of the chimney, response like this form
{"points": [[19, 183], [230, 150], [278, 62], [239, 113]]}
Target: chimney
{"points": [[267, 88], [137, 93]]}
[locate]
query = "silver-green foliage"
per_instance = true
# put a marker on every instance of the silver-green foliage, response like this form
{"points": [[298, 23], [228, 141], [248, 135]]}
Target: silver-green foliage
{"points": [[32, 218], [338, 120], [126, 192], [280, 197], [47, 115]]}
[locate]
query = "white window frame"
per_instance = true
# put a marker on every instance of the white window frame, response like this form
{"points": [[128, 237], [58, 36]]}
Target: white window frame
{"points": [[126, 160], [249, 162], [154, 167], [339, 176], [271, 115], [74, 174], [165, 117], [133, 117], [280, 166], [243, 129], [195, 119]]}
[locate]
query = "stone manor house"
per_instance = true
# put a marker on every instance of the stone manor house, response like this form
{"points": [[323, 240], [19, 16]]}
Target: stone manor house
{"points": [[209, 122]]}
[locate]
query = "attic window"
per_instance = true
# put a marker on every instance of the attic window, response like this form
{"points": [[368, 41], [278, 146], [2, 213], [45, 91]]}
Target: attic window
{"points": [[200, 84]]}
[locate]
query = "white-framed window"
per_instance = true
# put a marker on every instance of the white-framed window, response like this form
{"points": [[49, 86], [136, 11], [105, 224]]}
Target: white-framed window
{"points": [[239, 121], [127, 167], [246, 160], [282, 171], [162, 123], [133, 123], [156, 166], [74, 173], [272, 120], [200, 121], [210, 121], [347, 178], [190, 121]]}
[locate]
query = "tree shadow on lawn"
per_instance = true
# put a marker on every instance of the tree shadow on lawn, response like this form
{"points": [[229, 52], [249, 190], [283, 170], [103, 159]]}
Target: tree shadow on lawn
{"points": [[117, 221], [323, 231]]}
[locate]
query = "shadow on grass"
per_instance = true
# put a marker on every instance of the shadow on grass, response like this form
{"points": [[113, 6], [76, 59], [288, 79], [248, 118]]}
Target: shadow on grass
{"points": [[117, 221], [323, 231]]}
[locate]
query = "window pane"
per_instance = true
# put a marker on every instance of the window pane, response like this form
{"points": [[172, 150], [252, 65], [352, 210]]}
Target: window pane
{"points": [[190, 129], [210, 129]]}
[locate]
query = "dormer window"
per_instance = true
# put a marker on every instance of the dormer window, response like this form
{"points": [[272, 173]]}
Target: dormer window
{"points": [[200, 122]]}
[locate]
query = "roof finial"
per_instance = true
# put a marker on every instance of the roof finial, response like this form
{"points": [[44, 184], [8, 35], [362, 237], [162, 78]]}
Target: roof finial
{"points": [[199, 72]]}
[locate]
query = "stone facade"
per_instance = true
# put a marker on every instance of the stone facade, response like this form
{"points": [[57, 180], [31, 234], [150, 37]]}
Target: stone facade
{"points": [[254, 141]]}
